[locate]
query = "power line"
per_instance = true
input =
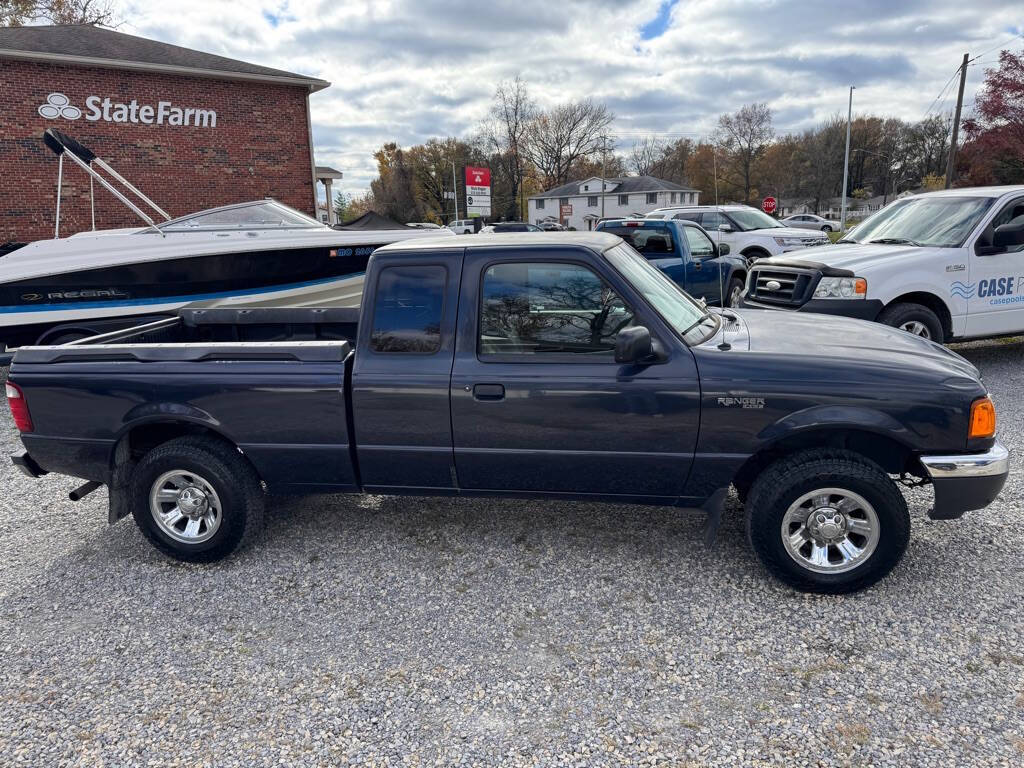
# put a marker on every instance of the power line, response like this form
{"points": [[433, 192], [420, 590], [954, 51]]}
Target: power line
{"points": [[942, 93], [1001, 45]]}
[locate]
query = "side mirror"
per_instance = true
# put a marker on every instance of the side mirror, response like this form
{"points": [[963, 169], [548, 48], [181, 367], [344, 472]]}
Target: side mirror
{"points": [[1009, 235], [725, 227], [723, 249], [633, 345]]}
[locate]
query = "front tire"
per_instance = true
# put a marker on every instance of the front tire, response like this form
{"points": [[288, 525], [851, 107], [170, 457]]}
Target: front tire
{"points": [[196, 499], [826, 228], [827, 521], [915, 319], [734, 292]]}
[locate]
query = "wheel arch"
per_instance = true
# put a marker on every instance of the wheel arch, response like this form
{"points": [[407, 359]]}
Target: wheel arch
{"points": [[879, 446], [933, 302]]}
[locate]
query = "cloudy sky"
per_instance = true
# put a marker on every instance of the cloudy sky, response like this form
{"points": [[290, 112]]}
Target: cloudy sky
{"points": [[406, 70]]}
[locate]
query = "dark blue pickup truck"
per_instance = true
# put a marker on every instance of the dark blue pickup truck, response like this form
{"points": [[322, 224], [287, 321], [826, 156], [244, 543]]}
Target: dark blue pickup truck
{"points": [[556, 365], [684, 251]]}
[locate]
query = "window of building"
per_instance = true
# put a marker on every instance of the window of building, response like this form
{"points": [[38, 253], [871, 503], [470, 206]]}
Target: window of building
{"points": [[536, 309], [592, 201], [652, 197], [673, 196], [407, 310], [623, 199], [563, 201], [540, 204]]}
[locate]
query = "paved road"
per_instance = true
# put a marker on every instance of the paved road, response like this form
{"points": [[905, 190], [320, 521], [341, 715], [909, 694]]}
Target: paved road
{"points": [[384, 631]]}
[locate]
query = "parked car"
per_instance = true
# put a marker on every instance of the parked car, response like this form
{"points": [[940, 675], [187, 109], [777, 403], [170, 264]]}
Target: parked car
{"points": [[550, 366], [504, 227], [423, 225], [686, 253], [463, 226], [943, 265], [552, 226], [811, 221], [748, 231]]}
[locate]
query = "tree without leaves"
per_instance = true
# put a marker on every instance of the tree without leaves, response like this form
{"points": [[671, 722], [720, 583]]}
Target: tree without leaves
{"points": [[564, 134], [505, 132], [644, 155], [743, 137]]}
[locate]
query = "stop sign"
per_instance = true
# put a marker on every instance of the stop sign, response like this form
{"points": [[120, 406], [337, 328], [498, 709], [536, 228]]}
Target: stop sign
{"points": [[768, 205]]}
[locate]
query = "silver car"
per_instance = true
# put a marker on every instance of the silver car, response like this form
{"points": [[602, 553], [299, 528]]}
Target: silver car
{"points": [[811, 221]]}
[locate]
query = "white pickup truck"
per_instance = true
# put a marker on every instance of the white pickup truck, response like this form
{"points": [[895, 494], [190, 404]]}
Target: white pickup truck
{"points": [[943, 265]]}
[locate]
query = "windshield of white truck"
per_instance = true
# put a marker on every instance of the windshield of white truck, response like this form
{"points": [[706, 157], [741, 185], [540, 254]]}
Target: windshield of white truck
{"points": [[689, 319], [942, 222]]}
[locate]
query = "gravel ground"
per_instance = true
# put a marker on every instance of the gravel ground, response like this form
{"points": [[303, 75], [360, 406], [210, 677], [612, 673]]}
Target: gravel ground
{"points": [[397, 631]]}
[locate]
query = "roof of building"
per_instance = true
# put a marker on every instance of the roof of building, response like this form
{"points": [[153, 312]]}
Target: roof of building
{"points": [[624, 185], [90, 45]]}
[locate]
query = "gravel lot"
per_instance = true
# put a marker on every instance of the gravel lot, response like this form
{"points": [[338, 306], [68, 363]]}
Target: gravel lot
{"points": [[384, 631]]}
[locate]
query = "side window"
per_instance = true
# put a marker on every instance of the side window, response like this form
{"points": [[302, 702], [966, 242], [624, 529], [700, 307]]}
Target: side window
{"points": [[407, 310], [1012, 211], [700, 244], [688, 216], [712, 221], [549, 309]]}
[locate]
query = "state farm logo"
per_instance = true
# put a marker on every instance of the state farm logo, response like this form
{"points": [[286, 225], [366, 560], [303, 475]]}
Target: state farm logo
{"points": [[59, 105]]}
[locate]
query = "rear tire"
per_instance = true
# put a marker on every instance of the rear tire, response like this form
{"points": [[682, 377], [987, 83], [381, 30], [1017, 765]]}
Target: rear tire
{"points": [[855, 530], [196, 499], [915, 319], [826, 228]]}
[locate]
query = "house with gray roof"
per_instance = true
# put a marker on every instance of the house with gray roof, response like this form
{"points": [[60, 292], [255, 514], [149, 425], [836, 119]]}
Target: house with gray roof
{"points": [[581, 204]]}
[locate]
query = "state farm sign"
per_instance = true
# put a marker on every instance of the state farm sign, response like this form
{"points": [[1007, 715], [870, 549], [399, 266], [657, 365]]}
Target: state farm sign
{"points": [[58, 105]]}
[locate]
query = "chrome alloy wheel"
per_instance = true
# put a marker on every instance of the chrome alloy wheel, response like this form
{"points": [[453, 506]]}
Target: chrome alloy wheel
{"points": [[830, 530], [185, 506], [917, 328]]}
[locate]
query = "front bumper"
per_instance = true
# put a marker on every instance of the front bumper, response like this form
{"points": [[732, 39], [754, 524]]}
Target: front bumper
{"points": [[861, 309], [966, 482]]}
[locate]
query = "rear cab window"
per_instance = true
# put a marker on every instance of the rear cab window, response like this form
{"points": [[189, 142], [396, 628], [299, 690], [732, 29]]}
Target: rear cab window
{"points": [[654, 240], [407, 310]]}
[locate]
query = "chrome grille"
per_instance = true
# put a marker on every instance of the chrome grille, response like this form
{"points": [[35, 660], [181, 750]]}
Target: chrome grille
{"points": [[778, 286]]}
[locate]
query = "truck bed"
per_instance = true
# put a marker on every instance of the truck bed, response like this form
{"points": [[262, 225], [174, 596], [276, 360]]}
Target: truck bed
{"points": [[270, 381]]}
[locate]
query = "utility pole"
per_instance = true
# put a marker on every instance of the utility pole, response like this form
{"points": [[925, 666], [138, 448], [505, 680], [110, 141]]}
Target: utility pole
{"points": [[455, 190], [951, 165], [604, 155], [846, 163]]}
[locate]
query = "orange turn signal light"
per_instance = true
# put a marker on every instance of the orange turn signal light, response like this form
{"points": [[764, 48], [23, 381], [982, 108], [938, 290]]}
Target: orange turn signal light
{"points": [[983, 418], [860, 287]]}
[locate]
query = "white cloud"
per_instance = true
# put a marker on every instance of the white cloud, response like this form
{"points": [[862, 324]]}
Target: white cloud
{"points": [[406, 70]]}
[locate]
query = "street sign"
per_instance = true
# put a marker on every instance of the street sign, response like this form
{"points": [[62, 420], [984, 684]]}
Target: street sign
{"points": [[478, 191], [768, 205]]}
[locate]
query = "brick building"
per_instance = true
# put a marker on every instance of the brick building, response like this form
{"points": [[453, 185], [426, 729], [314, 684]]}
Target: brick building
{"points": [[190, 129]]}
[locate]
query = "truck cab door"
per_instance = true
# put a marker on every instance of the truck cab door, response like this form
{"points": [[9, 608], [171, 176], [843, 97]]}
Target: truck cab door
{"points": [[995, 292], [402, 371], [703, 269], [539, 404]]}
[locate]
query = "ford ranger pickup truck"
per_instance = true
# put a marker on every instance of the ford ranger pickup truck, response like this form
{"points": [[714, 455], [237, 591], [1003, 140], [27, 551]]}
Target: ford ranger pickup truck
{"points": [[561, 365], [684, 251], [947, 266]]}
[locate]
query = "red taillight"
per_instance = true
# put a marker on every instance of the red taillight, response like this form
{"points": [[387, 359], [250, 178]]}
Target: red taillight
{"points": [[19, 407], [633, 224]]}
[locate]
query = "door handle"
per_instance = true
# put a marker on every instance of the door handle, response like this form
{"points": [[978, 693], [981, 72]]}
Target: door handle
{"points": [[489, 391]]}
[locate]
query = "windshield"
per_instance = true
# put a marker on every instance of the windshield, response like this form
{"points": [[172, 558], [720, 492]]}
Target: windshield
{"points": [[750, 218], [264, 214], [676, 307], [940, 221]]}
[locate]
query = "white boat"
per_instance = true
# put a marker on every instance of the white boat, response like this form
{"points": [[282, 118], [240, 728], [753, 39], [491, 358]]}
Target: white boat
{"points": [[52, 291]]}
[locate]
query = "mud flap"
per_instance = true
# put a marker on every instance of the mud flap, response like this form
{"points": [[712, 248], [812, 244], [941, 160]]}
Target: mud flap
{"points": [[120, 481], [713, 507]]}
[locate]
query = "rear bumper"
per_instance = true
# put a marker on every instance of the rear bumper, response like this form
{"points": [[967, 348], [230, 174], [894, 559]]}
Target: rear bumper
{"points": [[861, 309], [27, 464], [967, 481]]}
